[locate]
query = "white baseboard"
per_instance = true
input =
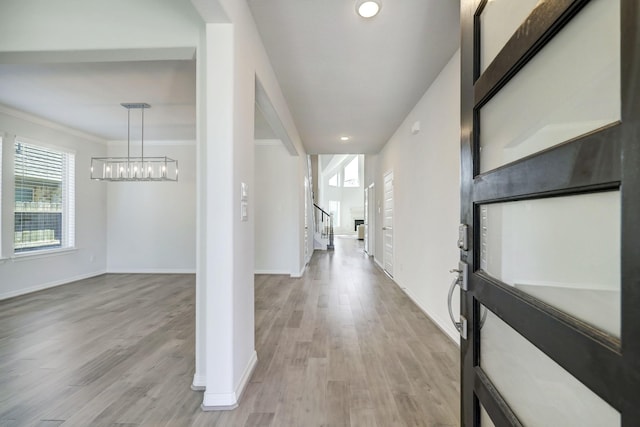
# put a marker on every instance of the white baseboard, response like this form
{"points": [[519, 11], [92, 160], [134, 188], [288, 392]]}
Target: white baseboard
{"points": [[151, 270], [199, 383], [246, 376], [228, 401], [300, 273], [48, 285], [378, 262], [286, 272]]}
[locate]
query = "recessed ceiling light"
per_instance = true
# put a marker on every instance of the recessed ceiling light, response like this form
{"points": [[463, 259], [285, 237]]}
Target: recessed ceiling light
{"points": [[344, 138], [368, 8]]}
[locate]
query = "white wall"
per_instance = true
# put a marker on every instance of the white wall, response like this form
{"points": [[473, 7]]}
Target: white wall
{"points": [[426, 170], [275, 215], [152, 225], [29, 273]]}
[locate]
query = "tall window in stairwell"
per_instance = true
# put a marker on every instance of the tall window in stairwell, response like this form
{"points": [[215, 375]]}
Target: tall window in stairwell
{"points": [[44, 198], [351, 174], [334, 181], [334, 210]]}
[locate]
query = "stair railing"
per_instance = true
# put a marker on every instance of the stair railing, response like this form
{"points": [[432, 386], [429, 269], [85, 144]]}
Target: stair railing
{"points": [[324, 225]]}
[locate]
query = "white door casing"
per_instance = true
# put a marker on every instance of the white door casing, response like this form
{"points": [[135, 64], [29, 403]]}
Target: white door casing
{"points": [[370, 227]]}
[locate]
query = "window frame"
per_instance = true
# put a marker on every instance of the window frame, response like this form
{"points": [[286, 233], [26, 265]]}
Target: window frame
{"points": [[68, 185], [335, 213], [338, 178], [355, 160]]}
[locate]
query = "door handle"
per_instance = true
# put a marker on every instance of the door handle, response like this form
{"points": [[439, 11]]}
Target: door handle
{"points": [[461, 326], [461, 280]]}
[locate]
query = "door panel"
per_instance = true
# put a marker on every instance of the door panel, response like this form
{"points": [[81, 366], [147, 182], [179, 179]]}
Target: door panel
{"points": [[498, 21], [307, 197], [371, 223], [549, 192], [387, 223], [552, 397], [366, 220], [545, 104], [541, 247]]}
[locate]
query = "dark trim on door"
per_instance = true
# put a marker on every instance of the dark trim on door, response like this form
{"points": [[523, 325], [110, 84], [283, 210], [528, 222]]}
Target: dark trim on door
{"points": [[493, 402], [590, 162], [603, 160], [544, 22], [559, 335], [630, 262], [469, 348]]}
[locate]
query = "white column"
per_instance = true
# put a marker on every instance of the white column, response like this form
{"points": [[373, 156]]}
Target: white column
{"points": [[219, 240], [199, 377]]}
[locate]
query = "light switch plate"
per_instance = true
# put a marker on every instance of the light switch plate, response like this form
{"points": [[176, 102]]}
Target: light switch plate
{"points": [[244, 191], [244, 214]]}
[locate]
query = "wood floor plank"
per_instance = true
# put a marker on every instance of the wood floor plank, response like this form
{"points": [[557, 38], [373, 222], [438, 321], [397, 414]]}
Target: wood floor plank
{"points": [[363, 417], [338, 414], [260, 419], [341, 346]]}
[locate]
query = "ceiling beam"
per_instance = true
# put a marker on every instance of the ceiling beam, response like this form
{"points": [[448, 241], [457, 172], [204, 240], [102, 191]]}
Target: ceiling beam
{"points": [[102, 55]]}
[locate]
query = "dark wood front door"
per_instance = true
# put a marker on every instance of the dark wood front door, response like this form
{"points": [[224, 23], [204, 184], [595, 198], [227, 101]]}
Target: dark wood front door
{"points": [[551, 197]]}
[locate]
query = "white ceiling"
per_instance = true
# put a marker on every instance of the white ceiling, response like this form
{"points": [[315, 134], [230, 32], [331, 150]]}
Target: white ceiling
{"points": [[87, 96], [340, 74], [345, 75]]}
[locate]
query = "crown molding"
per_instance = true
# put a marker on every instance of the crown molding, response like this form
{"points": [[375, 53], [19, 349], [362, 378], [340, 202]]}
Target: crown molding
{"points": [[49, 124]]}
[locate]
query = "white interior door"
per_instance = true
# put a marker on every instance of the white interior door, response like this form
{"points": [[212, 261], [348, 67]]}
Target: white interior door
{"points": [[366, 220], [387, 223], [306, 219], [370, 223]]}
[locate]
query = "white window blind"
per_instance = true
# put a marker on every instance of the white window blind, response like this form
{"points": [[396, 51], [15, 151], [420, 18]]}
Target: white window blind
{"points": [[44, 198], [69, 193]]}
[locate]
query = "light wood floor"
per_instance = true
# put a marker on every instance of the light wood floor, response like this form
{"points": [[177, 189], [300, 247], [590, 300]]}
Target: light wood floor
{"points": [[342, 346]]}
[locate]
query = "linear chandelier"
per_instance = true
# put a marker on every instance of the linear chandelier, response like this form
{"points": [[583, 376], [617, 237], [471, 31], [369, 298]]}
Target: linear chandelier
{"points": [[134, 168]]}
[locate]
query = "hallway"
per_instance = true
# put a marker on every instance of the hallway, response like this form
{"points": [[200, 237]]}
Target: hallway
{"points": [[345, 346], [342, 346]]}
